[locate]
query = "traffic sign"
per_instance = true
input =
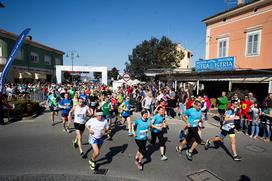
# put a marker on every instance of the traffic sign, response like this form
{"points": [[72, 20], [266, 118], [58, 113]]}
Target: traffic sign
{"points": [[126, 77]]}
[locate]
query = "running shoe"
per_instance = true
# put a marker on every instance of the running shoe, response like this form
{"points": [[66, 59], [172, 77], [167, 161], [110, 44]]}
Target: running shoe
{"points": [[64, 130], [178, 150], [202, 142], [237, 158], [92, 165], [130, 134], [82, 154], [75, 145], [207, 145], [163, 158], [140, 166], [189, 155]]}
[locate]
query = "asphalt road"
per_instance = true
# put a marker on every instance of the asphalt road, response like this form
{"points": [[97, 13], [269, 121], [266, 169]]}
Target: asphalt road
{"points": [[33, 148]]}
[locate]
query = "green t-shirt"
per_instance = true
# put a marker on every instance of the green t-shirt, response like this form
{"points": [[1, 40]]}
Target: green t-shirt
{"points": [[106, 108], [71, 94], [223, 101], [120, 98]]}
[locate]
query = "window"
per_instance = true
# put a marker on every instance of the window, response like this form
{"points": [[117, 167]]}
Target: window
{"points": [[223, 47], [253, 43], [57, 61], [47, 60], [34, 57], [20, 54]]}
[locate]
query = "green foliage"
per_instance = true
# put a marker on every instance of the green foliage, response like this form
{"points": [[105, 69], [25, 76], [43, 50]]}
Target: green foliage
{"points": [[114, 72], [153, 54]]}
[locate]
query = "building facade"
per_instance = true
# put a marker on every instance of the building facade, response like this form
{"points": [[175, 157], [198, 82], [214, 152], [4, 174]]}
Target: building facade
{"points": [[244, 32], [185, 62], [34, 61]]}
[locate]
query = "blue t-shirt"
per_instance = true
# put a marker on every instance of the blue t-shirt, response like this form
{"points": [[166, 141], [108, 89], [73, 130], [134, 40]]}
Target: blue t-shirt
{"points": [[127, 111], [194, 116], [158, 120], [84, 98], [67, 103], [142, 128]]}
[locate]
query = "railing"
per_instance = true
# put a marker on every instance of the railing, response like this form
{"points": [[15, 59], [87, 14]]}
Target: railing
{"points": [[3, 60]]}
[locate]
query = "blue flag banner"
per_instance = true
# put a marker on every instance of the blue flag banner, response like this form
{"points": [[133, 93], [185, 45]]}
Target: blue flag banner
{"points": [[217, 64], [11, 57]]}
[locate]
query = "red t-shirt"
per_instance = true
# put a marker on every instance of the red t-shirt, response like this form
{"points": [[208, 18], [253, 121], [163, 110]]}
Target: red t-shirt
{"points": [[245, 105]]}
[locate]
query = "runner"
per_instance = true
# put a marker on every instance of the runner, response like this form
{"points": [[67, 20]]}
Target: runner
{"points": [[106, 106], [94, 101], [141, 127], [52, 102], [80, 112], [114, 108], [65, 105], [158, 123], [192, 117], [222, 106], [126, 113], [98, 127], [228, 128]]}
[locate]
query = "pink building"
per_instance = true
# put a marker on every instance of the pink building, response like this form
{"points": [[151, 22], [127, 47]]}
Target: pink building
{"points": [[244, 32]]}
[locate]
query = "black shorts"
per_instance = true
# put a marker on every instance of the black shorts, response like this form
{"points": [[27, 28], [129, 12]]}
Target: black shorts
{"points": [[193, 133], [224, 133], [141, 146], [53, 109], [114, 111], [158, 135], [65, 115], [221, 111], [80, 127]]}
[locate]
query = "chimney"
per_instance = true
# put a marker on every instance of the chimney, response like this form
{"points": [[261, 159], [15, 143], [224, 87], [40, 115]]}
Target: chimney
{"points": [[240, 2]]}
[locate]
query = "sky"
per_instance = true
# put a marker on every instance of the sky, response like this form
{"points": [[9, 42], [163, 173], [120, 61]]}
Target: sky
{"points": [[104, 32]]}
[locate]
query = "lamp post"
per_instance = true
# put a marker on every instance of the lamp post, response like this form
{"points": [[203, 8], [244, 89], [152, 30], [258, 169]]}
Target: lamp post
{"points": [[73, 54]]}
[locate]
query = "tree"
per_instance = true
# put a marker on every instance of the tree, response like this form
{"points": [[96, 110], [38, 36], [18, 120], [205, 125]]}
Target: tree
{"points": [[153, 54], [113, 73]]}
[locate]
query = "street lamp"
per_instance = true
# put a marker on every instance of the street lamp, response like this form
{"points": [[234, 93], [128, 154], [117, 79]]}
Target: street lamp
{"points": [[73, 54]]}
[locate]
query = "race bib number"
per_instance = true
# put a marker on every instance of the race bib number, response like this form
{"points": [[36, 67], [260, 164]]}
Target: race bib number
{"points": [[143, 133], [196, 122], [80, 116], [158, 125], [227, 127]]}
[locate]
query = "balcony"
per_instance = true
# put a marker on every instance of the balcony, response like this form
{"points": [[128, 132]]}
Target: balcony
{"points": [[3, 60]]}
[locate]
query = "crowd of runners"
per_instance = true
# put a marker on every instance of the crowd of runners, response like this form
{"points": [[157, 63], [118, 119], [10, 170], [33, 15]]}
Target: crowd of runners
{"points": [[99, 110]]}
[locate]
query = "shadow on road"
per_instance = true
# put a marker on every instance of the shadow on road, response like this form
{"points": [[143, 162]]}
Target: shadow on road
{"points": [[113, 152], [244, 178], [151, 149], [117, 129], [220, 144]]}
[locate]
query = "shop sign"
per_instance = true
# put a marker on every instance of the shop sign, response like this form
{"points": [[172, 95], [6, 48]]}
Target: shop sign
{"points": [[217, 64]]}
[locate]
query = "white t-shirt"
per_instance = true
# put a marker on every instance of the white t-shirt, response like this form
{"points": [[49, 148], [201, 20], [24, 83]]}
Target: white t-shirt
{"points": [[147, 102], [97, 127], [80, 114]]}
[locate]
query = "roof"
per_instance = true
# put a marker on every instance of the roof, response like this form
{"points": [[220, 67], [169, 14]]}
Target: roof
{"points": [[248, 4], [250, 74], [30, 42]]}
